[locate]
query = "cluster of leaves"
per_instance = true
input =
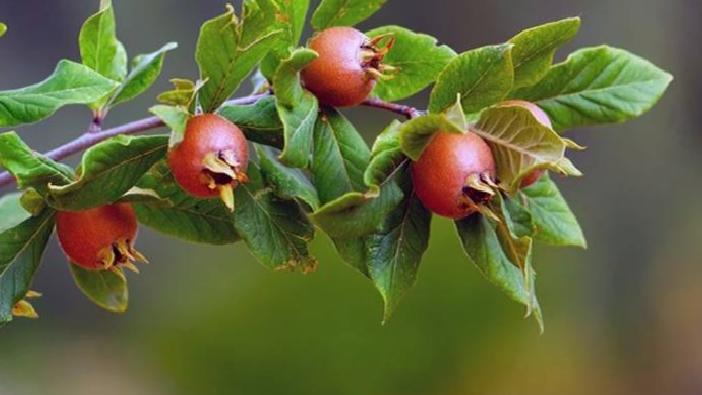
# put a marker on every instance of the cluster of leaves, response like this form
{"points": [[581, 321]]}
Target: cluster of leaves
{"points": [[312, 169]]}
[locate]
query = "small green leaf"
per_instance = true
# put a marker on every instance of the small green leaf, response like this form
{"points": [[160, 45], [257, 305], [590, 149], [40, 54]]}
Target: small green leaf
{"points": [[71, 83], [105, 288], [418, 59], [519, 143], [21, 250], [554, 221], [386, 156], [517, 218], [344, 12], [183, 93], [482, 77], [175, 117], [597, 85], [340, 156], [145, 70], [288, 183], [358, 214], [11, 211], [229, 48], [182, 216], [30, 169], [292, 14], [534, 49], [483, 244], [259, 122], [99, 48], [416, 133], [3, 29], [276, 231], [297, 108], [108, 170]]}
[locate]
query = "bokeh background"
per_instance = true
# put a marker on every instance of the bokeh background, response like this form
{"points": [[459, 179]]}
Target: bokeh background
{"points": [[623, 317]]}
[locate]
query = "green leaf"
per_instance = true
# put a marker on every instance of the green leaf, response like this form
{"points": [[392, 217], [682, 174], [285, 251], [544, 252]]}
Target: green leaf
{"points": [[175, 117], [183, 93], [288, 183], [597, 85], [297, 108], [30, 169], [276, 231], [292, 14], [395, 252], [108, 170], [340, 156], [229, 48], [519, 143], [182, 216], [482, 77], [554, 221], [517, 218], [99, 48], [11, 211], [344, 12], [105, 288], [357, 214], [498, 258], [21, 250], [418, 59], [259, 122], [386, 156], [3, 29], [71, 83], [145, 70], [353, 252], [416, 133], [534, 49]]}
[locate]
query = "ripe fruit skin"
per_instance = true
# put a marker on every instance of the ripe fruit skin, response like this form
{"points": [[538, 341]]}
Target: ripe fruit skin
{"points": [[345, 72], [212, 158], [99, 238], [440, 174], [543, 118]]}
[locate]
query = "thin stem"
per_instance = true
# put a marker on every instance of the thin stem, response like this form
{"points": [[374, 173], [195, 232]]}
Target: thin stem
{"points": [[94, 136]]}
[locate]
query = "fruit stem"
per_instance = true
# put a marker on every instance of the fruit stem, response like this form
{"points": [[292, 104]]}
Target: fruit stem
{"points": [[91, 138]]}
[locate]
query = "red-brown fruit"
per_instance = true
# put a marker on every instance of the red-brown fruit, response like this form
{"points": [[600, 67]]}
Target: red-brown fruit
{"points": [[99, 238], [348, 65], [543, 118], [212, 158], [441, 174]]}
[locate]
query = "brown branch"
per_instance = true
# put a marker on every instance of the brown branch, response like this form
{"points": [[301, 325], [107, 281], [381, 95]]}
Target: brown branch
{"points": [[94, 136]]}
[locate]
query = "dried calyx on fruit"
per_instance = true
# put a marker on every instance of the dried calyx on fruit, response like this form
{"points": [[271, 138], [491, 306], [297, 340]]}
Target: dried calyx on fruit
{"points": [[455, 174], [543, 119], [212, 158], [100, 238], [348, 65]]}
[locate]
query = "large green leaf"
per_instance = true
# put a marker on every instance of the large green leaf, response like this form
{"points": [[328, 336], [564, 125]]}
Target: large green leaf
{"points": [[145, 70], [11, 211], [108, 170], [182, 216], [482, 77], [418, 59], [230, 47], [554, 221], [105, 288], [21, 250], [519, 143], [259, 122], [534, 49], [597, 85], [504, 261], [30, 169], [386, 156], [99, 48], [292, 15], [288, 183], [340, 156], [276, 231], [71, 83], [297, 108], [344, 12]]}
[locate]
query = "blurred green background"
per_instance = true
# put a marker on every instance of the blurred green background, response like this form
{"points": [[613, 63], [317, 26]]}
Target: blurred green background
{"points": [[622, 317]]}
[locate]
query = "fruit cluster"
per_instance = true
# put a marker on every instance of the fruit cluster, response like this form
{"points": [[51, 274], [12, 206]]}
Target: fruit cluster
{"points": [[272, 167]]}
